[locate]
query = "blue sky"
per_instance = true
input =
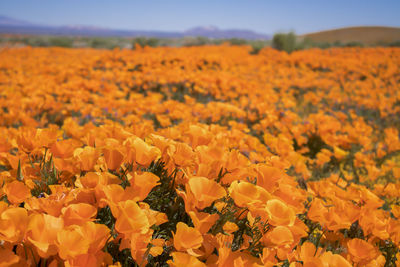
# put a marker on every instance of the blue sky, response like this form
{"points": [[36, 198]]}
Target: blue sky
{"points": [[266, 16]]}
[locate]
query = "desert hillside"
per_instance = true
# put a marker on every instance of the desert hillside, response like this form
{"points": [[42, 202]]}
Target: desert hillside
{"points": [[363, 34]]}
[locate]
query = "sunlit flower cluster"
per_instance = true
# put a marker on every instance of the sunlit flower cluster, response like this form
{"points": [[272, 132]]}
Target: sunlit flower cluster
{"points": [[199, 156]]}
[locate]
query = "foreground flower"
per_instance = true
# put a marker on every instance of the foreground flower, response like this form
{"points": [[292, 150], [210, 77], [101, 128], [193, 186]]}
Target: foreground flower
{"points": [[279, 213], [17, 192], [72, 242], [361, 251], [205, 191], [86, 157], [130, 218], [13, 223], [187, 238], [42, 233], [248, 195], [180, 259]]}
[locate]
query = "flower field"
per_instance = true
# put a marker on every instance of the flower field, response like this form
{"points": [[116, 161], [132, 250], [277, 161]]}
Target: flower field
{"points": [[199, 156]]}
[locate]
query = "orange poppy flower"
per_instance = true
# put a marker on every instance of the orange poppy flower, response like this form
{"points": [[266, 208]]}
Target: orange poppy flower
{"points": [[205, 191], [230, 227], [334, 260], [13, 161], [342, 215], [299, 230], [180, 259], [78, 213], [307, 253], [395, 209], [42, 233], [294, 197], [183, 155], [162, 143], [157, 246], [279, 213], [248, 195], [203, 221], [268, 177], [154, 217], [5, 146], [48, 136], [96, 234], [66, 166], [140, 152], [90, 180], [86, 157], [26, 140], [361, 251], [143, 183], [13, 223], [228, 258], [71, 242], [113, 158], [8, 258], [268, 257], [375, 222], [279, 236], [318, 211], [198, 136], [114, 193], [339, 153], [81, 261], [138, 243], [130, 218], [111, 195], [163, 120], [51, 205], [64, 148], [17, 192], [186, 237]]}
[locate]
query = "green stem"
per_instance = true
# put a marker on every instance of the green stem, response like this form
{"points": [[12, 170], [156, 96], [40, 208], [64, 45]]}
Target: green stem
{"points": [[44, 158], [26, 253], [33, 256]]}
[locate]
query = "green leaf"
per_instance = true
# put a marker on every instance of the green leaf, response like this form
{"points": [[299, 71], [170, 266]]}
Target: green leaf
{"points": [[20, 177]]}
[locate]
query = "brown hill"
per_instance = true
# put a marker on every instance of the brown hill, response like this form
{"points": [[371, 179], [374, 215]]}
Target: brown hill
{"points": [[369, 35]]}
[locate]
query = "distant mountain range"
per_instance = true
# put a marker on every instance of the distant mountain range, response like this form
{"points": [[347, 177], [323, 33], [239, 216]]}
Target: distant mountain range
{"points": [[16, 26]]}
